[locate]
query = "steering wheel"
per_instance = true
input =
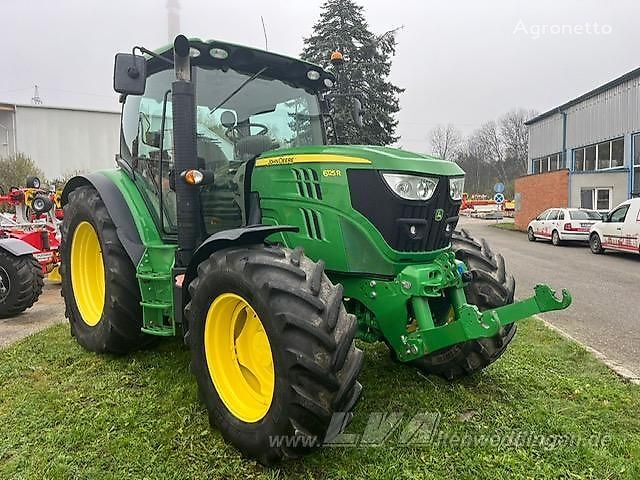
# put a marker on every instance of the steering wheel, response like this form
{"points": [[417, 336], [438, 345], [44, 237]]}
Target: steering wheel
{"points": [[263, 131]]}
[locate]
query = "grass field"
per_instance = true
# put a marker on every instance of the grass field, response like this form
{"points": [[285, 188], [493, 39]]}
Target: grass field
{"points": [[504, 226], [69, 414]]}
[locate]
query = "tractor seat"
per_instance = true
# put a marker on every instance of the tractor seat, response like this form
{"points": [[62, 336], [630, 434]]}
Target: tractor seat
{"points": [[211, 154], [253, 145]]}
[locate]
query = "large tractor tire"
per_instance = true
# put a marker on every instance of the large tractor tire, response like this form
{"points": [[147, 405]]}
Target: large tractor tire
{"points": [[272, 350], [99, 286], [21, 282], [492, 287]]}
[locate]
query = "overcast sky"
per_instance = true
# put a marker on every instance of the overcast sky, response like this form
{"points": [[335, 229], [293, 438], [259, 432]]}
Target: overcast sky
{"points": [[460, 61]]}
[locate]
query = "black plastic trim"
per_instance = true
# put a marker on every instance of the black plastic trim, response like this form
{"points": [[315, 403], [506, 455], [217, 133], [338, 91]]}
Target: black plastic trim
{"points": [[117, 208]]}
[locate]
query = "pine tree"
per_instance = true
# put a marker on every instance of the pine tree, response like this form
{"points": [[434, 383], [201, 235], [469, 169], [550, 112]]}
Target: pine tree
{"points": [[342, 27]]}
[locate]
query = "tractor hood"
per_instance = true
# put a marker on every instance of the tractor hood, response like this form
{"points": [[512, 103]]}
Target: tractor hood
{"points": [[380, 158]]}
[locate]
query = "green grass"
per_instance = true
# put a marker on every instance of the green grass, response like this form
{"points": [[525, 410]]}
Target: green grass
{"points": [[505, 226], [66, 413]]}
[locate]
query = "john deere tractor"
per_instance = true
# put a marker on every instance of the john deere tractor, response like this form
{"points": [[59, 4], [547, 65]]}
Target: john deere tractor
{"points": [[231, 222]]}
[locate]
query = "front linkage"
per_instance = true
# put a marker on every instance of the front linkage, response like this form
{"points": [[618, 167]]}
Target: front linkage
{"points": [[424, 308]]}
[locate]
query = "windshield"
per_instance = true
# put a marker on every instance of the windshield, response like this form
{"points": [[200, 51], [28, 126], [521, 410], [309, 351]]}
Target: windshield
{"points": [[263, 115], [584, 215]]}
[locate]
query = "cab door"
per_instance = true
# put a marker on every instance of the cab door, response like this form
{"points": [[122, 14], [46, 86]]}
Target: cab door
{"points": [[613, 230], [631, 228]]}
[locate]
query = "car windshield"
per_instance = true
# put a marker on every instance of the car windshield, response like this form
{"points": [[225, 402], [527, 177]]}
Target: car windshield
{"points": [[584, 215]]}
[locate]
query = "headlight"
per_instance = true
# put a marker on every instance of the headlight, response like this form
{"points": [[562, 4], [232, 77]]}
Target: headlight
{"points": [[456, 187], [411, 187]]}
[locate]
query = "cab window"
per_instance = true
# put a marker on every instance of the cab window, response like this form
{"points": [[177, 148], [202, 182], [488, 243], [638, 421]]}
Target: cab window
{"points": [[553, 215], [561, 215], [619, 214]]}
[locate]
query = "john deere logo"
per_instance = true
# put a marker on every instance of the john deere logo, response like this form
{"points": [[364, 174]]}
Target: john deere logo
{"points": [[439, 214]]}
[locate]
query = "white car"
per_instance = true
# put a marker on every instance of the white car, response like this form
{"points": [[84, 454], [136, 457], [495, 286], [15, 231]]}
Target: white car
{"points": [[563, 224], [619, 229]]}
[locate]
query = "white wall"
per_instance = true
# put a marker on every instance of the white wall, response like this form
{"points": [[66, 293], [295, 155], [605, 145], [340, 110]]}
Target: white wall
{"points": [[63, 141], [617, 181]]}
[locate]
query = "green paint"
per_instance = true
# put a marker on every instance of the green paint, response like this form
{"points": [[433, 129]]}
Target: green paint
{"points": [[154, 269]]}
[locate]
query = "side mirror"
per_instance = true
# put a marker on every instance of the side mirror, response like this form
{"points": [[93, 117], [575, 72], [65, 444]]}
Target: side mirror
{"points": [[129, 74], [357, 112]]}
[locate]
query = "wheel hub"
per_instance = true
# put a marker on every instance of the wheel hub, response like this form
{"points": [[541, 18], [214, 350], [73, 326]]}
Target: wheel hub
{"points": [[87, 273], [5, 284], [239, 357]]}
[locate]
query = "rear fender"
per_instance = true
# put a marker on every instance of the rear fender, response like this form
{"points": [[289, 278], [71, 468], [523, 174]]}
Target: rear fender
{"points": [[117, 208]]}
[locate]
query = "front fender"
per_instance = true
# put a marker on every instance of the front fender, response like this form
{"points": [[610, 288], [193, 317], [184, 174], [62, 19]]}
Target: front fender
{"points": [[230, 238], [17, 247]]}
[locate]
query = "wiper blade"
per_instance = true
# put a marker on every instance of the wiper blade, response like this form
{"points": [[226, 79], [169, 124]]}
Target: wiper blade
{"points": [[242, 85]]}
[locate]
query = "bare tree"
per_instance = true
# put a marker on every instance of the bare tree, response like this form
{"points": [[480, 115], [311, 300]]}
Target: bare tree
{"points": [[445, 141], [516, 136]]}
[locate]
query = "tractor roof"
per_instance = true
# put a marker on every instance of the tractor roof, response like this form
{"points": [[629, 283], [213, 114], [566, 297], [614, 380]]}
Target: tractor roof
{"points": [[223, 55]]}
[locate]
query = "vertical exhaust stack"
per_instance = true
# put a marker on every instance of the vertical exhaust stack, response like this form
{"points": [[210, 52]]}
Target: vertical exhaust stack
{"points": [[185, 152]]}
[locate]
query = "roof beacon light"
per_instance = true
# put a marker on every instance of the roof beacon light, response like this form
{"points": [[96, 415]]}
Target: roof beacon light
{"points": [[337, 58]]}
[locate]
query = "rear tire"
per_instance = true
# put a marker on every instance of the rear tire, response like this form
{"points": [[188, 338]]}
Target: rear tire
{"points": [[530, 235], [491, 288], [310, 337], [116, 328], [555, 238], [21, 282], [595, 244]]}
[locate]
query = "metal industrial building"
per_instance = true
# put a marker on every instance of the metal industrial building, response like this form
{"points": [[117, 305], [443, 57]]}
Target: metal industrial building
{"points": [[597, 138], [60, 140]]}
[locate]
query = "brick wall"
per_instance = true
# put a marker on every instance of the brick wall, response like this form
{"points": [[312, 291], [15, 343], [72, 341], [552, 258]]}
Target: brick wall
{"points": [[535, 193]]}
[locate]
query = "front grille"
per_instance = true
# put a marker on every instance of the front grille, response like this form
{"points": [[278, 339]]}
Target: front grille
{"points": [[406, 225]]}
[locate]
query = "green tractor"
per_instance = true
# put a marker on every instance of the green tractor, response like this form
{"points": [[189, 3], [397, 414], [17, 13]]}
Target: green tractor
{"points": [[231, 222]]}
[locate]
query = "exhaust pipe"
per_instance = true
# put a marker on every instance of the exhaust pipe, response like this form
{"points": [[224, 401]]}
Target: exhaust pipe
{"points": [[185, 152]]}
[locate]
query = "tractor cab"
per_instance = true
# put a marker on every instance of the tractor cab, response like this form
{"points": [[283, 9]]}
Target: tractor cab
{"points": [[247, 102]]}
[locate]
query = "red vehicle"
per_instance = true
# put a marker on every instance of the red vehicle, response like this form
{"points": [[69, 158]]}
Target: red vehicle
{"points": [[29, 241]]}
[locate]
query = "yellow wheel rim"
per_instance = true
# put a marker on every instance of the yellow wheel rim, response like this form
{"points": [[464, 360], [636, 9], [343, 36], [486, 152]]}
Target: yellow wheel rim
{"points": [[87, 273], [239, 358]]}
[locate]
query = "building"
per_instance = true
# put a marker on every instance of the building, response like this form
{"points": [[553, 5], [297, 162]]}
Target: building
{"points": [[589, 146], [60, 140]]}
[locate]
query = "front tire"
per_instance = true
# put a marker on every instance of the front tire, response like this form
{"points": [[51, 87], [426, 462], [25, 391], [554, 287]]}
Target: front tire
{"points": [[491, 288], [99, 286], [275, 400], [21, 282]]}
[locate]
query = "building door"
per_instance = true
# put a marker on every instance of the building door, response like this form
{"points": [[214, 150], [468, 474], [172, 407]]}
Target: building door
{"points": [[586, 199]]}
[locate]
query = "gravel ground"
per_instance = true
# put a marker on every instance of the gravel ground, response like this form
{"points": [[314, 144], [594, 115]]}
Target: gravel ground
{"points": [[49, 310]]}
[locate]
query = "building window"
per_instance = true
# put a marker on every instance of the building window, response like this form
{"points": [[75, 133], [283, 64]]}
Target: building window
{"points": [[605, 155], [548, 163], [578, 158], [600, 198]]}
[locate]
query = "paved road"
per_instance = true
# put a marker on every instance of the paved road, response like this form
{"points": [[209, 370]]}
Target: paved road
{"points": [[48, 310], [605, 289]]}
